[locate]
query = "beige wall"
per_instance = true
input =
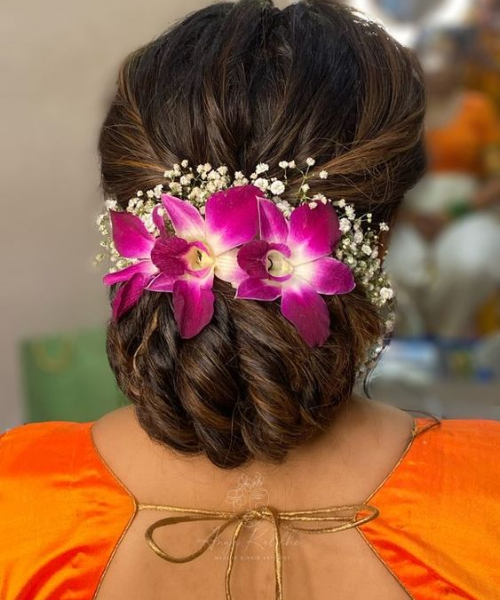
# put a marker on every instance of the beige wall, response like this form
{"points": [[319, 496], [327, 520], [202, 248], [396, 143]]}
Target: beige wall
{"points": [[58, 64]]}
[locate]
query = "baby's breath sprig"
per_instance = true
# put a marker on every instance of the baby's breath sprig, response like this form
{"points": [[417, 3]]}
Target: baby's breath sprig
{"points": [[358, 246]]}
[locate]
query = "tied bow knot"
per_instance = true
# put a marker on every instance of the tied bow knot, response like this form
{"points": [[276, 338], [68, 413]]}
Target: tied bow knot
{"points": [[335, 518]]}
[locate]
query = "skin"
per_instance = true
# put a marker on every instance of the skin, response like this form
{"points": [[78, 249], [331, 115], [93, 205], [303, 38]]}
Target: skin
{"points": [[342, 466]]}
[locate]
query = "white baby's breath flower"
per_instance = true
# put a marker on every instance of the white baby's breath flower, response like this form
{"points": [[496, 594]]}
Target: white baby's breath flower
{"points": [[283, 164], [341, 203], [310, 162], [345, 226], [386, 293], [261, 168], [277, 187], [262, 183], [158, 190], [350, 214], [358, 237], [285, 207], [175, 187], [305, 187], [196, 194], [323, 174], [140, 193], [150, 194], [283, 204], [239, 175], [320, 198], [184, 163], [110, 204], [292, 164], [213, 175], [366, 249], [313, 205], [384, 227]]}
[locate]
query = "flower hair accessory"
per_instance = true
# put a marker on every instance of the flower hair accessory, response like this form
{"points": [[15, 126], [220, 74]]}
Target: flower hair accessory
{"points": [[202, 225]]}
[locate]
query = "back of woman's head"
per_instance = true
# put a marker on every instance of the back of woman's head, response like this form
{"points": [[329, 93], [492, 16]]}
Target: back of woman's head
{"points": [[237, 84]]}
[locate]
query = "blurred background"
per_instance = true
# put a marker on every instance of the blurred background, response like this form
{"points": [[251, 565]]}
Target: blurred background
{"points": [[58, 69]]}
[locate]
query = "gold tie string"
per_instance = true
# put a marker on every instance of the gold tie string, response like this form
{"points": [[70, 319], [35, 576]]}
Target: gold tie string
{"points": [[261, 513]]}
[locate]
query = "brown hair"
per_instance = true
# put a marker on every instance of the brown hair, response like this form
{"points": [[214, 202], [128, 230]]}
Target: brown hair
{"points": [[238, 84]]}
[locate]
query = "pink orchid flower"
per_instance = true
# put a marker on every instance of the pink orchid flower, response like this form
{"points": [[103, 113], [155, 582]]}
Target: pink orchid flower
{"points": [[202, 248], [132, 240], [292, 261]]}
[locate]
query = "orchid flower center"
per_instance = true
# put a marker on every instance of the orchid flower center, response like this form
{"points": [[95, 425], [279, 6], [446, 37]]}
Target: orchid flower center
{"points": [[198, 259], [278, 265]]}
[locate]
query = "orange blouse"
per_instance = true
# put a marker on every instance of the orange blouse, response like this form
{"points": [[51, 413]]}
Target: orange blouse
{"points": [[63, 513], [465, 145]]}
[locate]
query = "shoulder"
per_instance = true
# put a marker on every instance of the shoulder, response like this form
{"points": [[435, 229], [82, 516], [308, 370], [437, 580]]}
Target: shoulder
{"points": [[40, 437], [54, 494], [39, 456], [441, 508], [455, 442], [481, 432], [461, 459]]}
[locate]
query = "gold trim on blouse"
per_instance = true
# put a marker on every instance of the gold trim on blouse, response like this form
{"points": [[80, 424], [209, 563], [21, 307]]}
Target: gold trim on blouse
{"points": [[327, 515]]}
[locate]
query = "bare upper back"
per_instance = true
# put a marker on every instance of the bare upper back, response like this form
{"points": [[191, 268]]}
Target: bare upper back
{"points": [[342, 468]]}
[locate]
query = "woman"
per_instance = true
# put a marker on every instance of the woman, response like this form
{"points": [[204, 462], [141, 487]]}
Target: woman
{"points": [[241, 320], [448, 280]]}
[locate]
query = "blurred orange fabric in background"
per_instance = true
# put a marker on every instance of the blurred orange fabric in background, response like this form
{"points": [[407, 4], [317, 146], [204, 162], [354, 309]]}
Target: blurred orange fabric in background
{"points": [[463, 145]]}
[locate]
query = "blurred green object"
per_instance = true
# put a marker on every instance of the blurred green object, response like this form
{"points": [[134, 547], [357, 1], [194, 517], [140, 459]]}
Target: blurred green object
{"points": [[67, 377]]}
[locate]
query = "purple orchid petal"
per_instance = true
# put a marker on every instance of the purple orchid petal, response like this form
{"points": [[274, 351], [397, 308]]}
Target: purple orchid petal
{"points": [[131, 238], [187, 221], [193, 307], [162, 283], [145, 267], [227, 268], [128, 295], [258, 289], [252, 259], [232, 217], [313, 232], [273, 225], [168, 255], [307, 310], [159, 221], [327, 276]]}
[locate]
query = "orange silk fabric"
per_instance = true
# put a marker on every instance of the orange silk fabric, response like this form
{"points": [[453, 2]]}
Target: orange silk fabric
{"points": [[62, 513]]}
